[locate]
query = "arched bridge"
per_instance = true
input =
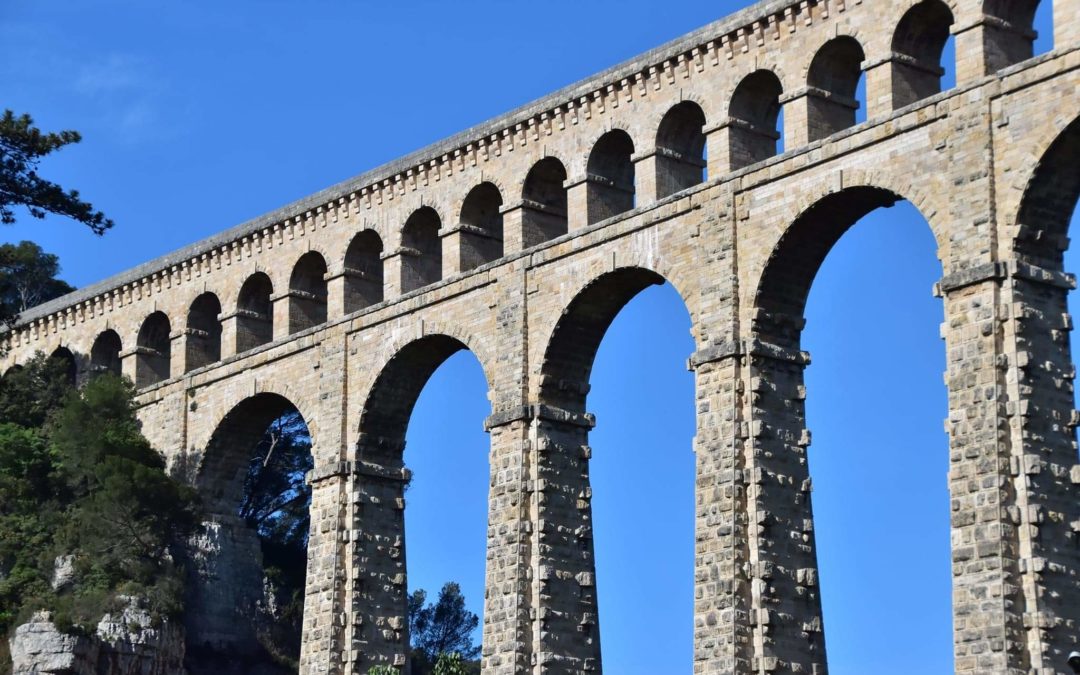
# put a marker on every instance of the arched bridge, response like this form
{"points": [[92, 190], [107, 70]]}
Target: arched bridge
{"points": [[520, 239]]}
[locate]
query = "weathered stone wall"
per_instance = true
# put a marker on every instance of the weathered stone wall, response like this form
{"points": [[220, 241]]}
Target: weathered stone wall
{"points": [[990, 164]]}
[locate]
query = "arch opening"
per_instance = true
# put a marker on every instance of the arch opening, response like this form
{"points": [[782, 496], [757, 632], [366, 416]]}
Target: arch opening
{"points": [[203, 332], [105, 353], [153, 355], [544, 207], [67, 358], [612, 322], [610, 176], [254, 313], [246, 595], [850, 250], [753, 119], [481, 233], [421, 250], [307, 293], [1011, 39], [680, 149], [411, 400], [834, 84], [363, 272], [918, 46]]}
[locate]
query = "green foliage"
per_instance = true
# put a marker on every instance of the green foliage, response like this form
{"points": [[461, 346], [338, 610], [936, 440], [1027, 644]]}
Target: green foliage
{"points": [[28, 277], [442, 632], [22, 145], [77, 478], [28, 393], [383, 670], [275, 504], [452, 664]]}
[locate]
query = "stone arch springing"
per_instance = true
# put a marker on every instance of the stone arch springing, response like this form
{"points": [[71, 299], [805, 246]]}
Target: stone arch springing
{"points": [[226, 617], [1011, 39], [382, 478], [544, 204], [918, 46], [776, 360], [105, 353], [203, 332], [307, 292], [610, 176], [363, 271], [753, 119], [71, 368], [833, 82], [254, 313], [481, 227], [1049, 200], [421, 250], [153, 350], [680, 149]]}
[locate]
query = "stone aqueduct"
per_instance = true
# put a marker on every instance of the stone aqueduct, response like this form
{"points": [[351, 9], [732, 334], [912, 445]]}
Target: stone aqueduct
{"points": [[521, 239]]}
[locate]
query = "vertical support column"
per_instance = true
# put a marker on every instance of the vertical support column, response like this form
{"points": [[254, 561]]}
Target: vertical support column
{"points": [[646, 190], [281, 304], [377, 612], [507, 642], [335, 295], [1043, 460], [577, 203], [722, 607], [786, 606], [325, 644], [229, 331], [988, 631], [796, 105], [514, 236], [322, 648], [177, 353], [566, 633]]}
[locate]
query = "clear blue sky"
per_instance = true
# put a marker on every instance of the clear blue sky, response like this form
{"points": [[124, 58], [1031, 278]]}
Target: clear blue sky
{"points": [[200, 115]]}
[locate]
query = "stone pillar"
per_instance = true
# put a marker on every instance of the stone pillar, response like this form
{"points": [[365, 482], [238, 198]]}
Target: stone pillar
{"points": [[229, 331], [325, 647], [507, 637], [1016, 512], [376, 587], [645, 166], [281, 315], [392, 273], [739, 144], [514, 236], [988, 630], [335, 295], [1066, 23], [177, 353], [796, 105], [722, 593], [577, 203], [785, 614], [566, 632]]}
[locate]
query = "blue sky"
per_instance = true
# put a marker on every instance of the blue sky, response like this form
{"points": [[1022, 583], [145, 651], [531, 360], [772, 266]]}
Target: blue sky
{"points": [[199, 115]]}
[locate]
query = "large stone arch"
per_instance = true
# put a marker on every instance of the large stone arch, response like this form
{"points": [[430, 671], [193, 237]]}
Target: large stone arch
{"points": [[1049, 196], [561, 424], [380, 478], [226, 585]]}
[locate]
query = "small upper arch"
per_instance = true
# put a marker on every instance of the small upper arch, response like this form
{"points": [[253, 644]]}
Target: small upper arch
{"points": [[307, 292], [753, 117], [153, 359], [918, 45], [610, 176], [832, 85], [544, 202], [680, 149]]}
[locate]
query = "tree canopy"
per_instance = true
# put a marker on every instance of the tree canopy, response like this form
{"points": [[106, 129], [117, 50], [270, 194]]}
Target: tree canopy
{"points": [[22, 146], [28, 277], [441, 629], [79, 482]]}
